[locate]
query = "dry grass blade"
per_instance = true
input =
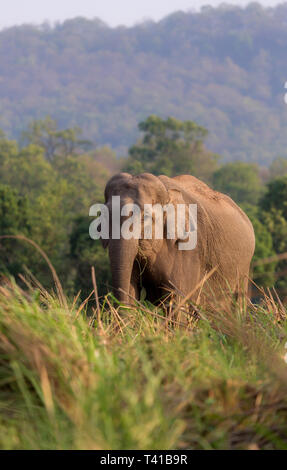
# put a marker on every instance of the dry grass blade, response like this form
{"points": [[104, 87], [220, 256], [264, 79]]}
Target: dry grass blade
{"points": [[75, 300], [117, 317], [83, 304], [35, 281], [199, 285], [97, 299]]}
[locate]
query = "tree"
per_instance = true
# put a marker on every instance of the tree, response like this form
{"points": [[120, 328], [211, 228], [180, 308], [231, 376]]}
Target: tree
{"points": [[171, 147], [276, 196], [278, 168], [273, 207], [14, 220], [58, 191], [45, 134], [276, 225], [264, 275], [240, 181], [86, 253]]}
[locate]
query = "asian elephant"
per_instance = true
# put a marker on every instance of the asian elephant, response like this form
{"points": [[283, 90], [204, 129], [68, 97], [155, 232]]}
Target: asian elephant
{"points": [[225, 242]]}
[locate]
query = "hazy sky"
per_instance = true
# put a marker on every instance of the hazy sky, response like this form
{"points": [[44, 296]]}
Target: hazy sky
{"points": [[114, 12]]}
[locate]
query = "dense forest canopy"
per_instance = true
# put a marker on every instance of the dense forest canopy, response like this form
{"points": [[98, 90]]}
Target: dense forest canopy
{"points": [[224, 68]]}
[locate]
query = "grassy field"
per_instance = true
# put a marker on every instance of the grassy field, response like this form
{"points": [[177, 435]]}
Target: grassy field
{"points": [[73, 377]]}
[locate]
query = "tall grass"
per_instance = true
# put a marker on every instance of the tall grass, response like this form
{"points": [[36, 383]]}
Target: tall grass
{"points": [[109, 377]]}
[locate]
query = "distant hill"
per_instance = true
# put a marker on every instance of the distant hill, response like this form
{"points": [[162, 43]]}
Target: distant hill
{"points": [[224, 67]]}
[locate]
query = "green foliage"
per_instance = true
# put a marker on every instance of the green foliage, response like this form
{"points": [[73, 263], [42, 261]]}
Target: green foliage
{"points": [[45, 134], [264, 246], [240, 181], [13, 212], [278, 168], [276, 224], [276, 196], [86, 253], [15, 219], [59, 189], [273, 210], [171, 147]]}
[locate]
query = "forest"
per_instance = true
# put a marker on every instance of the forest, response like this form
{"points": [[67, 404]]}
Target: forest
{"points": [[222, 67]]}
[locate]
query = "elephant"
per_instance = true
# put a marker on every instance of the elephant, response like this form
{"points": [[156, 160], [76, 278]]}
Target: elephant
{"points": [[222, 255]]}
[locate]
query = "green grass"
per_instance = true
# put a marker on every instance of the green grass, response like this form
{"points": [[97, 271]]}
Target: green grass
{"points": [[140, 378]]}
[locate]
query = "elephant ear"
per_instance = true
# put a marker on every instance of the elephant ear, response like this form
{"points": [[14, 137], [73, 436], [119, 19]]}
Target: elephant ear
{"points": [[177, 195]]}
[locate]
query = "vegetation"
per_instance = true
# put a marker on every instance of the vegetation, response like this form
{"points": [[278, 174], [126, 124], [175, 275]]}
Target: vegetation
{"points": [[223, 68], [45, 190], [140, 378], [50, 179], [171, 147], [241, 181]]}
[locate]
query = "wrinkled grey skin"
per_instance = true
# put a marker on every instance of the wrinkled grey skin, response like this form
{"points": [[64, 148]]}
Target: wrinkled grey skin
{"points": [[225, 242]]}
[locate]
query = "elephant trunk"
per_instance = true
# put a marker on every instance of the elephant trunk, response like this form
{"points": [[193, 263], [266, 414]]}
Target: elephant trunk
{"points": [[122, 256]]}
